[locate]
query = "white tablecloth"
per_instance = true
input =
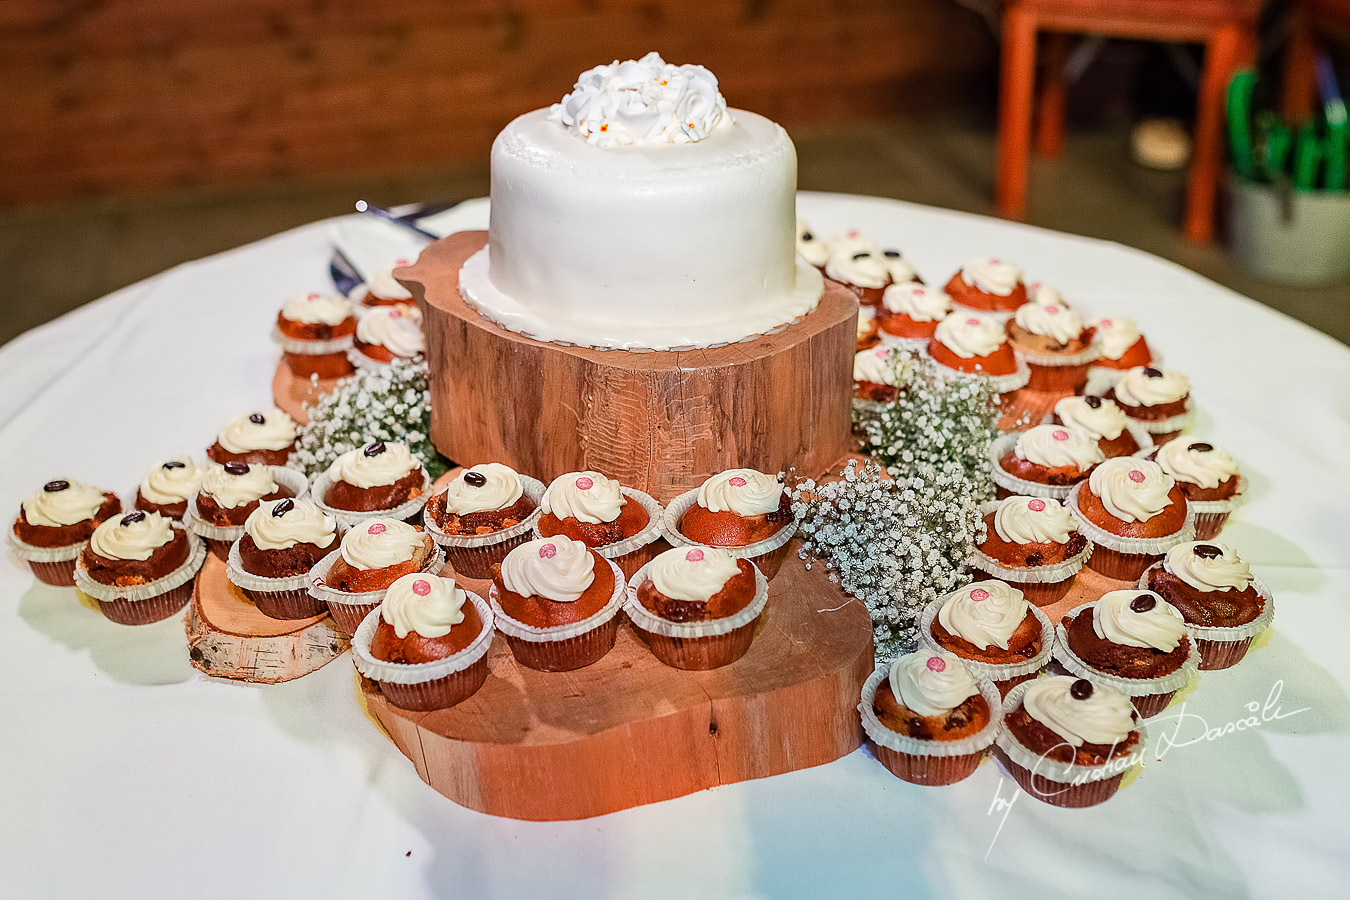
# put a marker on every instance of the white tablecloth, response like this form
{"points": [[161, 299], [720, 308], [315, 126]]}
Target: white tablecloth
{"points": [[124, 772]]}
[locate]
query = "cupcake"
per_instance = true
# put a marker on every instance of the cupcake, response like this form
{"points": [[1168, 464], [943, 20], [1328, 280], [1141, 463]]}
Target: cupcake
{"points": [[426, 645], [810, 247], [988, 285], [1122, 347], [867, 328], [1208, 477], [352, 579], [1158, 400], [978, 345], [1055, 344], [744, 511], [1133, 512], [621, 524], [1223, 604], [1132, 641], [282, 540], [875, 375], [928, 719], [1116, 434], [139, 567], [383, 289], [55, 523], [1043, 461], [483, 513], [1068, 742], [379, 479], [228, 494], [992, 627], [266, 437], [557, 602], [1032, 544], [165, 489], [860, 268], [696, 607], [386, 333], [910, 313], [315, 332]]}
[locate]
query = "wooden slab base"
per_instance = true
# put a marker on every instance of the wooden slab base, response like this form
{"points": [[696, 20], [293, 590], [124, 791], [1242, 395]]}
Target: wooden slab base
{"points": [[1025, 408], [229, 638], [290, 393]]}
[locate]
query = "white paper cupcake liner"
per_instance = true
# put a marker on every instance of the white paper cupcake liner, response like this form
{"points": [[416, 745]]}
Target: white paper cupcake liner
{"points": [[350, 518], [895, 342], [650, 532], [648, 621], [1228, 632], [32, 553], [320, 591], [420, 673], [1063, 773], [538, 635], [1130, 687], [532, 487], [366, 364], [1165, 426], [676, 509], [1009, 482], [1135, 546], [901, 743], [992, 671], [1052, 574], [1052, 360], [312, 348], [240, 577], [1004, 384], [135, 593], [282, 475]]}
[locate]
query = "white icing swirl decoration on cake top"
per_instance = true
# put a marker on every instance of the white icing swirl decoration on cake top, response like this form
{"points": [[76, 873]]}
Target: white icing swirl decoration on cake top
{"points": [[643, 102], [426, 604], [585, 496], [810, 247], [746, 492], [931, 682], [318, 309], [377, 463], [1090, 715], [1132, 490], [381, 542], [920, 303], [970, 336], [1208, 566], [1096, 415], [1032, 520], [992, 276], [1116, 335], [397, 329], [1058, 445], [864, 267], [231, 490], [984, 613], [172, 481], [1147, 386], [556, 568], [264, 429], [692, 574], [500, 488], [1040, 292], [61, 502], [1196, 462], [875, 365], [1049, 320], [135, 535], [382, 284], [281, 524], [1138, 619]]}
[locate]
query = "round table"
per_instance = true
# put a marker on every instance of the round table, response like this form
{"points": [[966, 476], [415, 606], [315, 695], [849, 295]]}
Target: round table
{"points": [[125, 769]]}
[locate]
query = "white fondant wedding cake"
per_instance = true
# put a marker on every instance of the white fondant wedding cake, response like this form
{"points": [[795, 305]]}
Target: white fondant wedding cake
{"points": [[641, 213]]}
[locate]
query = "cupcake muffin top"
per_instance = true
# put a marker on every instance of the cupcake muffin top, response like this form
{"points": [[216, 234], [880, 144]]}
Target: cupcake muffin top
{"points": [[1056, 446], [134, 536], [281, 524], [985, 613], [237, 484], [992, 276], [1032, 520], [1059, 323], [482, 488], [1147, 386], [318, 309], [1132, 490], [423, 604], [914, 300], [382, 283], [172, 481], [970, 336], [875, 365], [931, 682], [1078, 711], [1136, 618], [1196, 462], [270, 429], [810, 247], [1097, 416], [694, 575], [556, 568], [61, 502], [1208, 566], [377, 463], [381, 542], [745, 492], [1116, 335], [398, 329], [585, 496], [862, 266]]}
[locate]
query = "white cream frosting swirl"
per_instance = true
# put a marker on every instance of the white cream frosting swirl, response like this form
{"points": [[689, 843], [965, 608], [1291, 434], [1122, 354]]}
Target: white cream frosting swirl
{"points": [[875, 365], [501, 488], [992, 276], [920, 303], [1040, 292], [264, 429], [135, 535], [899, 268], [864, 267], [984, 613], [1050, 320], [380, 542], [643, 102], [397, 329], [167, 483], [73, 503], [850, 242], [1032, 520], [1118, 617], [1139, 388], [300, 522], [970, 336], [370, 466], [1131, 489], [318, 309], [1207, 468], [427, 604], [556, 568], [1058, 445], [1106, 420], [585, 496], [1106, 716], [1206, 570], [931, 682], [746, 492], [231, 491], [1116, 335], [692, 574], [810, 247], [382, 283]]}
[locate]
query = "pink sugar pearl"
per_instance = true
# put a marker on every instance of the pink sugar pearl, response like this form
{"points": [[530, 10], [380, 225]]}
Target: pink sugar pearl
{"points": [[979, 595], [694, 556], [584, 483], [548, 551], [1036, 506], [937, 664], [738, 481], [1136, 476], [421, 588], [377, 528]]}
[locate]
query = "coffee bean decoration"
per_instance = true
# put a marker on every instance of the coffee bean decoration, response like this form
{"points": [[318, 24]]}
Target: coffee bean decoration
{"points": [[1093, 402], [132, 518], [257, 419], [236, 468], [173, 464], [54, 487], [1143, 603], [1207, 551], [1200, 447], [282, 507], [891, 254], [374, 449], [475, 479], [866, 254], [1080, 689], [1151, 372], [807, 237]]}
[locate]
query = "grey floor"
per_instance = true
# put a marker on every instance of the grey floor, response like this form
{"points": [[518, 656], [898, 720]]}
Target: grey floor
{"points": [[58, 258]]}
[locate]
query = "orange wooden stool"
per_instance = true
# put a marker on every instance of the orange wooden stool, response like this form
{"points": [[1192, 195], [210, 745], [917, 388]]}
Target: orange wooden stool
{"points": [[1310, 22], [1227, 28]]}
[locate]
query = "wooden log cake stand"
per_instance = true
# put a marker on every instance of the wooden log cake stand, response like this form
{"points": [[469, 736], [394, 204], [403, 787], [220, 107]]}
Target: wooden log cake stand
{"points": [[291, 393], [228, 638], [658, 421]]}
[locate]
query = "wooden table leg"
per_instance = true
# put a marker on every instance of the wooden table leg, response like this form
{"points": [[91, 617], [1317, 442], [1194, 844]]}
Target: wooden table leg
{"points": [[1050, 94], [1014, 111], [1224, 53]]}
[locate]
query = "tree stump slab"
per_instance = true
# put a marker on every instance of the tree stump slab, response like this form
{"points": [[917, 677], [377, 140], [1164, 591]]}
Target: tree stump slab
{"points": [[292, 393]]}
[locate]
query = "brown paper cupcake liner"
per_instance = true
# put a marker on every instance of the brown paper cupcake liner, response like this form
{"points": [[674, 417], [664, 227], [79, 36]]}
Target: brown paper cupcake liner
{"points": [[57, 574], [1212, 515], [144, 612], [50, 565], [286, 605]]}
